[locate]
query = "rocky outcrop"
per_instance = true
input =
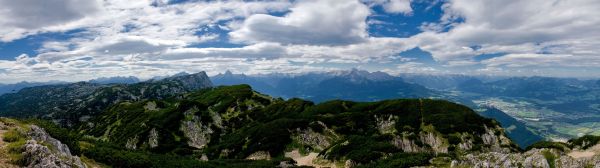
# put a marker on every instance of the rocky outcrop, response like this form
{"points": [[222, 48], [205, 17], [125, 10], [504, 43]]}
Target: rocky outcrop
{"points": [[386, 123], [260, 155], [150, 106], [406, 145], [316, 140], [39, 156], [495, 139], [38, 134], [153, 138], [436, 142], [197, 133], [132, 143], [43, 151], [429, 140], [466, 142], [539, 158], [350, 164], [313, 139]]}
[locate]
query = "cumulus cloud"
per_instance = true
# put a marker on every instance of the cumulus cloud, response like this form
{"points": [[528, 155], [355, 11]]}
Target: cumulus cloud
{"points": [[24, 17], [543, 60], [33, 14], [256, 51], [524, 27], [398, 6], [392, 6], [146, 38], [134, 45], [324, 22], [412, 67]]}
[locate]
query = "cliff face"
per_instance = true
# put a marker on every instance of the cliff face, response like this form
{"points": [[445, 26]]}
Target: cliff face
{"points": [[32, 147]]}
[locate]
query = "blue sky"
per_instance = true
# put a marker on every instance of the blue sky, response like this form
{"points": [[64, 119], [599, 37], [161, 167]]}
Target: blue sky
{"points": [[79, 40]]}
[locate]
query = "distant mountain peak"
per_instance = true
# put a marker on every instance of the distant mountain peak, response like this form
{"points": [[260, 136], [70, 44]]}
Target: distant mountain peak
{"points": [[357, 75], [191, 81], [228, 73]]}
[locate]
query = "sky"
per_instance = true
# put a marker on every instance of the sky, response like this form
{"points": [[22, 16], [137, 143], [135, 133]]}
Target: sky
{"points": [[71, 40]]}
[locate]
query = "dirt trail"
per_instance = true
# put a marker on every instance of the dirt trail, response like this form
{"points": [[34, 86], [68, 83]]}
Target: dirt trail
{"points": [[307, 160], [585, 153]]}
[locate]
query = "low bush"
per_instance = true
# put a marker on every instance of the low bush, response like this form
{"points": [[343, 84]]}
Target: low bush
{"points": [[13, 135]]}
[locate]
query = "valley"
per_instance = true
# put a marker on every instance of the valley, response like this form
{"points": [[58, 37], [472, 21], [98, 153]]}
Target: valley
{"points": [[562, 109]]}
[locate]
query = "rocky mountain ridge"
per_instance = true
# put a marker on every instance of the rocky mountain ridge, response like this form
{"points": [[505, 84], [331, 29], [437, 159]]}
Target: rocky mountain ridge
{"points": [[70, 104], [581, 152]]}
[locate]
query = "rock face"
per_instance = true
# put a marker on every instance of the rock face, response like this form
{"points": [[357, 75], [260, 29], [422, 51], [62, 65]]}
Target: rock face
{"points": [[385, 124], [153, 138], [495, 139], [317, 140], [260, 155], [55, 155], [406, 145], [132, 143], [436, 142], [542, 158], [38, 134], [198, 133], [40, 156]]}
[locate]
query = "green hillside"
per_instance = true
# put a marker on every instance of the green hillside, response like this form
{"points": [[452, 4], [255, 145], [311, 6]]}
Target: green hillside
{"points": [[236, 123]]}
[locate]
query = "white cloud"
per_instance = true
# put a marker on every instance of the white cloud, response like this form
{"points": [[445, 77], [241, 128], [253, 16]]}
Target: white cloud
{"points": [[324, 22], [525, 27], [33, 14], [543, 60], [122, 37], [398, 6], [392, 6], [256, 51], [24, 17], [412, 67]]}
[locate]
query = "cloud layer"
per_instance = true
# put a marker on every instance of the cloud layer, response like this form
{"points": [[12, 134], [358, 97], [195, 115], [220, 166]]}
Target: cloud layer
{"points": [[308, 22], [149, 38]]}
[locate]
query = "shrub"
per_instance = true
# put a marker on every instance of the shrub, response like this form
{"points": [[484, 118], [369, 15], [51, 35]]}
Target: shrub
{"points": [[13, 135], [401, 160], [585, 141], [546, 144]]}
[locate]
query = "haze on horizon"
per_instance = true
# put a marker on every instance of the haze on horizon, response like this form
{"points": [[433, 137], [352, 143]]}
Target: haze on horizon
{"points": [[72, 40]]}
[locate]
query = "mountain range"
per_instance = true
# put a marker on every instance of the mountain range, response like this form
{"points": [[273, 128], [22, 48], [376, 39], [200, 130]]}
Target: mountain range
{"points": [[356, 85], [69, 104], [15, 87], [187, 120]]}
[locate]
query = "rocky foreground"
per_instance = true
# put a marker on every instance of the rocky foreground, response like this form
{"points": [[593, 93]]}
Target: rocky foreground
{"points": [[25, 145], [542, 158]]}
